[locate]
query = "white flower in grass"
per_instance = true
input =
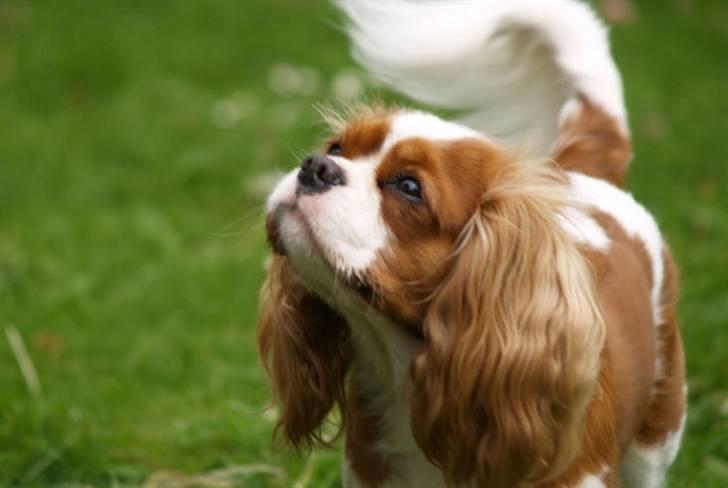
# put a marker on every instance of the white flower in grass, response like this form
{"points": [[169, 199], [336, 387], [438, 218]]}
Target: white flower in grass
{"points": [[287, 79], [247, 103], [311, 80], [284, 115], [227, 112], [347, 84], [283, 78]]}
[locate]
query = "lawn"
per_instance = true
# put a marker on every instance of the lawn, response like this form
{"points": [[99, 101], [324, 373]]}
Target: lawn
{"points": [[136, 141]]}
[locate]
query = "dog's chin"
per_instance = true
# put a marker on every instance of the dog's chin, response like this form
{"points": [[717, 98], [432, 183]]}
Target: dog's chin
{"points": [[290, 235]]}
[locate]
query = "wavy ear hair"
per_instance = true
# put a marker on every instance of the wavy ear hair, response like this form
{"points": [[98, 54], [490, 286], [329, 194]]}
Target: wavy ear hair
{"points": [[301, 342], [512, 341]]}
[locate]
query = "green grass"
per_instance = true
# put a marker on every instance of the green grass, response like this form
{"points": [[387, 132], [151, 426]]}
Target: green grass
{"points": [[131, 240]]}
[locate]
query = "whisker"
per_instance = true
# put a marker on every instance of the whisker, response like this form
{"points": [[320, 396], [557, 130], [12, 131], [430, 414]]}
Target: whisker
{"points": [[250, 219]]}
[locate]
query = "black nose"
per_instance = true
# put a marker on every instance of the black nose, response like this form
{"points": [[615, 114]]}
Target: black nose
{"points": [[319, 173]]}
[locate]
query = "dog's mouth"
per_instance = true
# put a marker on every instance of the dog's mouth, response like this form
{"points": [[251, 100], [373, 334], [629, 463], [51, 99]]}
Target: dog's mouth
{"points": [[363, 289], [273, 233]]}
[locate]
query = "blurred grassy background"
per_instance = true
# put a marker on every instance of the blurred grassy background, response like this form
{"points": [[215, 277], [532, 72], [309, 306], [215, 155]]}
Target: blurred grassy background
{"points": [[135, 140]]}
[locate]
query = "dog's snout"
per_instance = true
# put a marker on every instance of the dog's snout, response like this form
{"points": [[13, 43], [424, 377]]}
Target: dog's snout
{"points": [[319, 173]]}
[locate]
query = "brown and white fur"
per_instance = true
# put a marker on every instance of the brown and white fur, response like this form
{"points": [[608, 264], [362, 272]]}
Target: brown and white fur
{"points": [[478, 317]]}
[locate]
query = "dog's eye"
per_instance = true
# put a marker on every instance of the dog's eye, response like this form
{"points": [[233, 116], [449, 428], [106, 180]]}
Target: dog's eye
{"points": [[334, 149], [409, 186]]}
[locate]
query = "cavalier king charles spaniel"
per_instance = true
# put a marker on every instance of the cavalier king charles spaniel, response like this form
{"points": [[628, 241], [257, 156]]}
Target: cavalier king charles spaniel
{"points": [[481, 301]]}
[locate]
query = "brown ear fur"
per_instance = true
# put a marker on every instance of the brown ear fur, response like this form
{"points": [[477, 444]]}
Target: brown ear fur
{"points": [[513, 337], [301, 342]]}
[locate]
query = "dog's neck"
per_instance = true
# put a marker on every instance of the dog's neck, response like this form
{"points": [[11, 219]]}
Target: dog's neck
{"points": [[383, 350]]}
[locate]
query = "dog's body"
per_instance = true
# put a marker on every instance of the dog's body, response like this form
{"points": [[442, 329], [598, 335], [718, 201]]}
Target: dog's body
{"points": [[481, 320], [643, 415]]}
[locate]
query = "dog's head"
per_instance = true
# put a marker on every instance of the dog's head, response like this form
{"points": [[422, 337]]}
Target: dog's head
{"points": [[456, 242], [378, 211]]}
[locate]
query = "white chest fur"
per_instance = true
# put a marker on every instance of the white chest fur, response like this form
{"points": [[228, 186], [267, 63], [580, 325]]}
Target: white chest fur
{"points": [[381, 369]]}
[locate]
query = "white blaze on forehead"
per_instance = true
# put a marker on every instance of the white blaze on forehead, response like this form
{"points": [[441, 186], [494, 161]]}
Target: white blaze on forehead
{"points": [[408, 124]]}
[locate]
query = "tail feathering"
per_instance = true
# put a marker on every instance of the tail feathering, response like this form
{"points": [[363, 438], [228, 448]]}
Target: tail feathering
{"points": [[515, 67]]}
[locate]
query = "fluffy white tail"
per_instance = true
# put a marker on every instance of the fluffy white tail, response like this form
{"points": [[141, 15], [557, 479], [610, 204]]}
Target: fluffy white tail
{"points": [[512, 65]]}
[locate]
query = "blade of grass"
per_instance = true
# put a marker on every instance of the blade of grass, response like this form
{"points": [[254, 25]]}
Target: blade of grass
{"points": [[25, 363]]}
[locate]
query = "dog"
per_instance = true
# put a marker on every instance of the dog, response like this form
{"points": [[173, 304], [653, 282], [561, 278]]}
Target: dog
{"points": [[481, 301]]}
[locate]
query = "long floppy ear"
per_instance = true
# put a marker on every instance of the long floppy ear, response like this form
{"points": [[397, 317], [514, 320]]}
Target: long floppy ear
{"points": [[301, 342], [512, 341]]}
